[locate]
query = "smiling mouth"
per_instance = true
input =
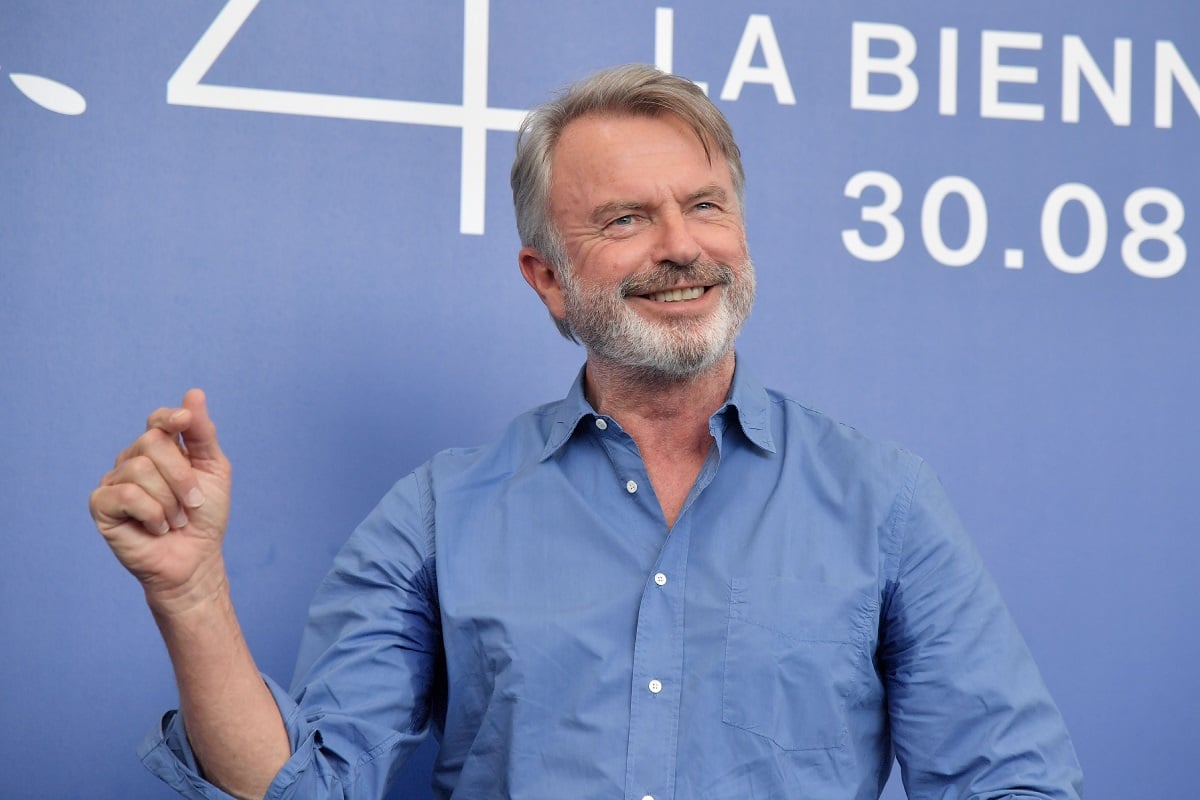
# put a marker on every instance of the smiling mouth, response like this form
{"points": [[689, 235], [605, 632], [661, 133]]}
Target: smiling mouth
{"points": [[675, 295]]}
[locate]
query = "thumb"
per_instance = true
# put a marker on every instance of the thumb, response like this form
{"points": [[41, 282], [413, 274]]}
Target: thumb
{"points": [[200, 437]]}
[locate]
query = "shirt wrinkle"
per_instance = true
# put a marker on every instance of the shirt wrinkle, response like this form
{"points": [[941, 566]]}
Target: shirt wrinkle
{"points": [[898, 526]]}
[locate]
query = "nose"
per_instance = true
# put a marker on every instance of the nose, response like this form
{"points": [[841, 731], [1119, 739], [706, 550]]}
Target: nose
{"points": [[675, 243]]}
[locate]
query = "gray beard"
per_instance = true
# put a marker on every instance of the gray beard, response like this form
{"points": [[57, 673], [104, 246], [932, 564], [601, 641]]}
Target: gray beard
{"points": [[679, 349]]}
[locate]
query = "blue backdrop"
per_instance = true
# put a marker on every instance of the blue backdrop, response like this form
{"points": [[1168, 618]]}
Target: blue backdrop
{"points": [[973, 225]]}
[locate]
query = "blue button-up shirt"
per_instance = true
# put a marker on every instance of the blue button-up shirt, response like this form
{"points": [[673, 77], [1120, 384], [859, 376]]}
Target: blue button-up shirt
{"points": [[816, 608]]}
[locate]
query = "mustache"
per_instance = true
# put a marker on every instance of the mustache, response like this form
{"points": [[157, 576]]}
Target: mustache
{"points": [[668, 275]]}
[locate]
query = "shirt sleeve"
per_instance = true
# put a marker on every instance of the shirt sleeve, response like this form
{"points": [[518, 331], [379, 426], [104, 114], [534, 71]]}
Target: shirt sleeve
{"points": [[367, 682], [970, 715]]}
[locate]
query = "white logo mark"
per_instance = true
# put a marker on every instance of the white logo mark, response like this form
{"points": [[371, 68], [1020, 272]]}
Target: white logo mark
{"points": [[473, 116], [49, 94]]}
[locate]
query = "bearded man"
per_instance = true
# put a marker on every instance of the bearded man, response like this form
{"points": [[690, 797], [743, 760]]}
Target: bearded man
{"points": [[672, 583]]}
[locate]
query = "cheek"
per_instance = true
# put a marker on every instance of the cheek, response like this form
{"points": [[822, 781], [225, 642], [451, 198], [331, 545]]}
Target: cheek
{"points": [[609, 264], [726, 244]]}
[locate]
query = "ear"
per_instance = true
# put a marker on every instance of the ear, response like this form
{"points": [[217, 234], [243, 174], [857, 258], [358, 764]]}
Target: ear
{"points": [[540, 274]]}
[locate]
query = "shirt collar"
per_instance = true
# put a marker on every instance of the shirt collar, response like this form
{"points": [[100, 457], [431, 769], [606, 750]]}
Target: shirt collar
{"points": [[567, 414], [748, 402], [749, 399]]}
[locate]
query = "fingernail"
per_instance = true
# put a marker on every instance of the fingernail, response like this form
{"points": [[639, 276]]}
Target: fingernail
{"points": [[195, 498], [164, 527], [180, 520], [175, 416]]}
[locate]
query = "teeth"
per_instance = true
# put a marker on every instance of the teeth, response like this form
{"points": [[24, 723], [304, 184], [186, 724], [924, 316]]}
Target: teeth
{"points": [[674, 295]]}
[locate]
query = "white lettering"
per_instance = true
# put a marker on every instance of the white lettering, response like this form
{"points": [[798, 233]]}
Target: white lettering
{"points": [[931, 221], [664, 39], [1117, 97], [1170, 69], [889, 82], [1097, 228], [863, 65], [993, 73], [1141, 230], [759, 33], [664, 43], [883, 214], [948, 84]]}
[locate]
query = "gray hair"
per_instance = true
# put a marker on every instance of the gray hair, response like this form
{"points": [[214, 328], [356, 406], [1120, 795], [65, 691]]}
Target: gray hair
{"points": [[635, 90]]}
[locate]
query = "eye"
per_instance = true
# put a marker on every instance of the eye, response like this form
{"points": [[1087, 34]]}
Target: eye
{"points": [[623, 221]]}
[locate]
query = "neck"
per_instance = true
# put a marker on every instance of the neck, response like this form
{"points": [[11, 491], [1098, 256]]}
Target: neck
{"points": [[667, 418], [657, 409]]}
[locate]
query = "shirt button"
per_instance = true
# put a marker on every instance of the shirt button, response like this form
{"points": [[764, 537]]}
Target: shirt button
{"points": [[660, 579], [631, 486], [647, 797], [601, 424], [656, 686]]}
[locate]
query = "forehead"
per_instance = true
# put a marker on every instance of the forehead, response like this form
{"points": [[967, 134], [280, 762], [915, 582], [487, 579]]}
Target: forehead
{"points": [[616, 154]]}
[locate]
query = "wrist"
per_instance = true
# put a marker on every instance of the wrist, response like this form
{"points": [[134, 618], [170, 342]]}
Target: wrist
{"points": [[207, 588]]}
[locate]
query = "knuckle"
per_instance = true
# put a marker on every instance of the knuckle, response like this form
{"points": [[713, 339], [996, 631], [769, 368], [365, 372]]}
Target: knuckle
{"points": [[141, 467], [156, 445], [126, 494], [156, 416], [152, 437]]}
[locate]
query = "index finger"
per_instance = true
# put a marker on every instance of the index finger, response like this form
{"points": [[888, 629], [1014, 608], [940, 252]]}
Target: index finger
{"points": [[158, 455], [170, 420]]}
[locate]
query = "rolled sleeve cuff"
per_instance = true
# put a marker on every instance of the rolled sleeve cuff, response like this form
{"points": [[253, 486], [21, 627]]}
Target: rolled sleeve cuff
{"points": [[167, 753]]}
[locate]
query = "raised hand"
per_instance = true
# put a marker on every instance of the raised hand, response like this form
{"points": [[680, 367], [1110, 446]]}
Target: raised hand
{"points": [[165, 505]]}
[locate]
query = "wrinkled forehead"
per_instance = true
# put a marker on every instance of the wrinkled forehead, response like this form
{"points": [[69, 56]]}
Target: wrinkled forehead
{"points": [[614, 150], [616, 120]]}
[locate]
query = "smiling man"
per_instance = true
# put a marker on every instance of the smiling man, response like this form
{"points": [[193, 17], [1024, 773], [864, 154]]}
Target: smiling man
{"points": [[644, 259], [672, 583]]}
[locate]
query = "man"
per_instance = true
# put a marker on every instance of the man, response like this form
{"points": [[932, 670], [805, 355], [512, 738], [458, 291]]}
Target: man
{"points": [[672, 583]]}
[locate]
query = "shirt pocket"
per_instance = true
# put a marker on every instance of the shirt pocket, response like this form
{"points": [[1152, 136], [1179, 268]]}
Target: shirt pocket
{"points": [[793, 652]]}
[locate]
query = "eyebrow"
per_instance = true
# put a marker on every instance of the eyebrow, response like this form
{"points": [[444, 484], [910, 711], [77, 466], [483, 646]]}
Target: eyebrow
{"points": [[713, 191], [617, 208]]}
